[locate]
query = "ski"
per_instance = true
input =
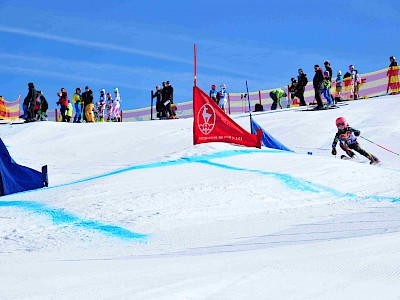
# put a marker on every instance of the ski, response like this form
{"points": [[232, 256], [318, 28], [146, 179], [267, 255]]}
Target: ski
{"points": [[318, 109], [345, 157], [354, 158]]}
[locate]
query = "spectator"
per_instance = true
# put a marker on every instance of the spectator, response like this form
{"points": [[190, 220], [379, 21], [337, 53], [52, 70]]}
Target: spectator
{"points": [[326, 88], [302, 81], [168, 98], [25, 105], [30, 99], [328, 68], [44, 105], [223, 95], [339, 83], [318, 86], [356, 81], [85, 101], [393, 74], [87, 98], [159, 106], [276, 96], [214, 93], [292, 91], [69, 112], [117, 100], [63, 101], [36, 108], [173, 106], [77, 99], [110, 108], [101, 105]]}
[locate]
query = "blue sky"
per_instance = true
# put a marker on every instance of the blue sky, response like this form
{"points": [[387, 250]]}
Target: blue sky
{"points": [[136, 45]]}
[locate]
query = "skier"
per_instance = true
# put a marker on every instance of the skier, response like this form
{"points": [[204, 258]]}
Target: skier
{"points": [[318, 86], [327, 86], [116, 106], [101, 105], [214, 93], [347, 136], [159, 106], [77, 99], [110, 108], [276, 96], [223, 97]]}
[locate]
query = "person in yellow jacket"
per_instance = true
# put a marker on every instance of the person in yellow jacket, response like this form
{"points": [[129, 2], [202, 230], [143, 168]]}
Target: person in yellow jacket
{"points": [[78, 103], [70, 111]]}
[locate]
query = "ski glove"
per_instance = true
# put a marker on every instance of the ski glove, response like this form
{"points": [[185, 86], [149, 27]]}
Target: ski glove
{"points": [[334, 152], [356, 133]]}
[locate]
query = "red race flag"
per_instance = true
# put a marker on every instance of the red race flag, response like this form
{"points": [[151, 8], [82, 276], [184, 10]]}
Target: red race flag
{"points": [[211, 124]]}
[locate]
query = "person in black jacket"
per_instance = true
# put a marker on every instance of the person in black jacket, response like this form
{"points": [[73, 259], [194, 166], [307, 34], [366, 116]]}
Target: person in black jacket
{"points": [[87, 98], [302, 81], [318, 86], [168, 98], [31, 102], [160, 108], [44, 106], [328, 68]]}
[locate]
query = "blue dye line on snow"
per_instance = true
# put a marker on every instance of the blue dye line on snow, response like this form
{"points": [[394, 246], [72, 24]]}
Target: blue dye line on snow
{"points": [[59, 216], [288, 180]]}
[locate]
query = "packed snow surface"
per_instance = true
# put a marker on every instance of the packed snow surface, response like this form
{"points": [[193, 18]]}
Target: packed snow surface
{"points": [[136, 211]]}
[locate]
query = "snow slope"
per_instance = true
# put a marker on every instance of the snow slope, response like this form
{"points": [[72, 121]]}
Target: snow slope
{"points": [[135, 211]]}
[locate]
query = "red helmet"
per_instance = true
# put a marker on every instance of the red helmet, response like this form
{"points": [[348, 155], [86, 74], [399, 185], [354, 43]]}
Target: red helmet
{"points": [[213, 87], [340, 121]]}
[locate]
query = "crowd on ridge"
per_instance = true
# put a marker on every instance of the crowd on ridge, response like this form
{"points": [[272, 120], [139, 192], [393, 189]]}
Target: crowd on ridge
{"points": [[35, 106], [322, 83]]}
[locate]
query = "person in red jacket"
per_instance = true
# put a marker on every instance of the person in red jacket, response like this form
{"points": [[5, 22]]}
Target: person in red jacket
{"points": [[63, 101]]}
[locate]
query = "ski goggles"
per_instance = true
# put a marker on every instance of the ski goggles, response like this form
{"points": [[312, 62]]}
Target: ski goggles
{"points": [[340, 124]]}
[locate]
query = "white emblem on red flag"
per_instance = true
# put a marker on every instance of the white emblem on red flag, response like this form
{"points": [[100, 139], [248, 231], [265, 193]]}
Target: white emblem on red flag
{"points": [[206, 119]]}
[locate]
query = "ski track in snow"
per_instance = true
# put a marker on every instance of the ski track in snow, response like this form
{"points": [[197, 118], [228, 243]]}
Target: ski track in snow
{"points": [[59, 216]]}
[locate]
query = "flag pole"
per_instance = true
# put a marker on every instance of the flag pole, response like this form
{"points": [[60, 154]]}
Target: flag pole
{"points": [[195, 65], [248, 100]]}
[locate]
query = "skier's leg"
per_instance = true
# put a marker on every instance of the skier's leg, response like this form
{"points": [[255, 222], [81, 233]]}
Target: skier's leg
{"points": [[346, 149], [371, 157]]}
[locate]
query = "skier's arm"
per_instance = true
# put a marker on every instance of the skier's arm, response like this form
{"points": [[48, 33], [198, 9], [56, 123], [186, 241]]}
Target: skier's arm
{"points": [[335, 141], [355, 131]]}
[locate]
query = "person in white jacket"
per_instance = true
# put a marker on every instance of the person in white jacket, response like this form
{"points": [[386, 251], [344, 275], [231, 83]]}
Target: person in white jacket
{"points": [[117, 100], [223, 97]]}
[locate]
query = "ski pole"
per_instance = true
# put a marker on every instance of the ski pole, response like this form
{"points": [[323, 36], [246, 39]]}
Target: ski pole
{"points": [[379, 145]]}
